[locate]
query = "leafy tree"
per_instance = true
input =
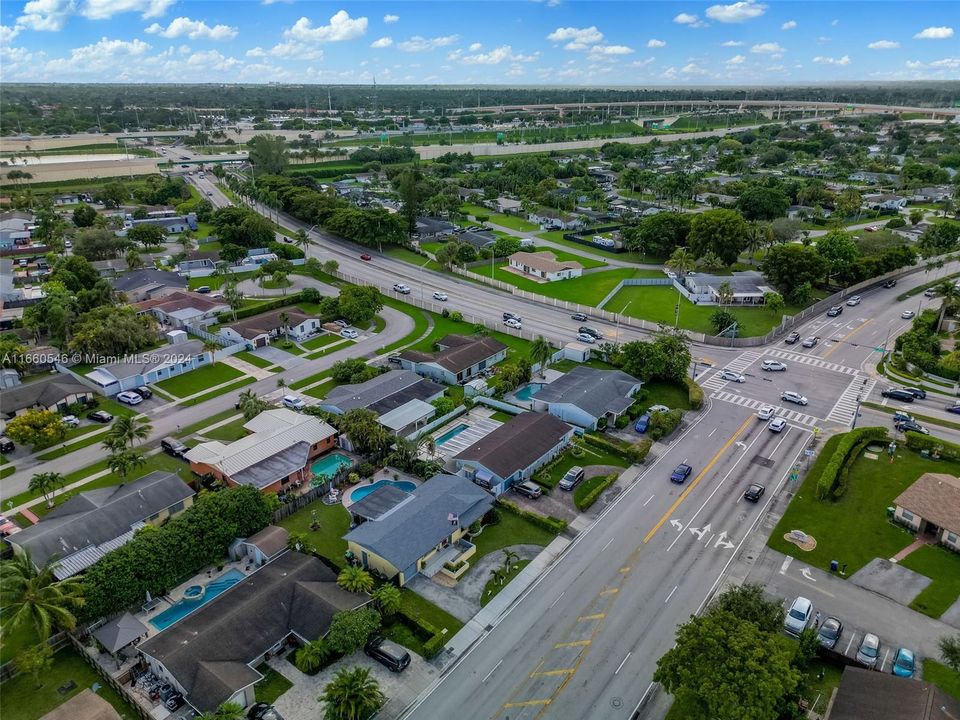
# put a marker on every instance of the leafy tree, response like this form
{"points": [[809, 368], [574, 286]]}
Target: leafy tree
{"points": [[387, 598], [251, 404], [355, 579], [758, 202], [784, 230], [916, 216], [710, 261], [268, 154], [360, 303], [540, 353], [146, 235], [35, 661], [446, 255], [36, 427], [364, 430], [940, 238], [134, 261], [724, 232], [774, 302], [12, 352], [466, 253], [99, 244], [312, 656], [790, 266], [351, 695], [350, 629], [658, 235], [113, 194], [748, 602], [839, 251], [124, 461], [950, 651], [112, 331], [443, 405], [33, 596], [681, 261], [505, 246], [720, 320], [47, 484], [84, 215], [227, 711]]}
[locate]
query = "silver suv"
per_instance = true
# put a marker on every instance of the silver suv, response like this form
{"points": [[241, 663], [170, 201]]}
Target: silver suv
{"points": [[572, 478]]}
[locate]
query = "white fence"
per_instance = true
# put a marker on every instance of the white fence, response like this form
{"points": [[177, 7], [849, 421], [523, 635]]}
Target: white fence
{"points": [[209, 271]]}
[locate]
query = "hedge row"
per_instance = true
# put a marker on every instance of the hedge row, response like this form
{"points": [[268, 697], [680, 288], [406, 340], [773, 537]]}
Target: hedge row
{"points": [[833, 482], [589, 491], [226, 317], [942, 448], [435, 640], [631, 453], [663, 423], [549, 523], [694, 393]]}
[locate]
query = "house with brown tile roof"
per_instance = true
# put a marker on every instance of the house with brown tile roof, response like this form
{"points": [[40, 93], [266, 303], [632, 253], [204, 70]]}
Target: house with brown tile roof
{"points": [[931, 507], [259, 330], [544, 265], [459, 358], [179, 309]]}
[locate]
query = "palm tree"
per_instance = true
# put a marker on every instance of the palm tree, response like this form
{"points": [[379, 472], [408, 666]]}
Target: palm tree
{"points": [[284, 324], [509, 559], [227, 711], [725, 293], [313, 655], [301, 240], [387, 598], [355, 579], [134, 261], [351, 695], [251, 405], [233, 297], [47, 484], [950, 295], [127, 430], [123, 461], [35, 661], [681, 261], [260, 276], [279, 278], [541, 352], [29, 595]]}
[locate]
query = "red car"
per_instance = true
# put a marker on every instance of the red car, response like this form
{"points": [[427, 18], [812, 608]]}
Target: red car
{"points": [[365, 257]]}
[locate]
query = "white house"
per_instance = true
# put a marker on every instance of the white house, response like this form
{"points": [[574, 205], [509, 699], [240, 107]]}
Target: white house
{"points": [[259, 330], [544, 265], [179, 357], [459, 359], [551, 220]]}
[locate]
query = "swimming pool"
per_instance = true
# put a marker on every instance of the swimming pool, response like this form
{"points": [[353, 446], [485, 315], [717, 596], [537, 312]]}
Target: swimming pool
{"points": [[330, 465], [182, 608], [451, 434], [527, 391], [359, 493]]}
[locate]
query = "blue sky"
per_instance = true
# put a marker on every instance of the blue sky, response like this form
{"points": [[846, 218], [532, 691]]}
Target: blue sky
{"points": [[529, 42]]}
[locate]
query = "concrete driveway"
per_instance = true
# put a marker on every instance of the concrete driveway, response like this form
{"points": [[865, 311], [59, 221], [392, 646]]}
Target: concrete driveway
{"points": [[279, 357]]}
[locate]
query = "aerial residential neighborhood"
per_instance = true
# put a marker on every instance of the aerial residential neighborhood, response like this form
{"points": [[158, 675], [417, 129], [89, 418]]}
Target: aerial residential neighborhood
{"points": [[524, 360]]}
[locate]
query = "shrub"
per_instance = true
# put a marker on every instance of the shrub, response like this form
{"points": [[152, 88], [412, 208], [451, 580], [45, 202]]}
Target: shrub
{"points": [[623, 421], [832, 483], [285, 252], [227, 317], [628, 452], [589, 491], [642, 448], [664, 423], [897, 222], [549, 523], [491, 517], [350, 629], [942, 448], [456, 316], [694, 393]]}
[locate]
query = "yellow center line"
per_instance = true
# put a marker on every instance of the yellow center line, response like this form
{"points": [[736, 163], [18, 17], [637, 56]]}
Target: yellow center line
{"points": [[610, 591], [572, 643], [845, 338], [595, 616], [551, 673], [666, 516], [527, 703]]}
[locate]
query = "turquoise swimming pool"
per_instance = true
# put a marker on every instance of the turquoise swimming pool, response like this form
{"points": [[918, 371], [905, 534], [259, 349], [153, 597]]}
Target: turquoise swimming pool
{"points": [[330, 465], [359, 493], [182, 608], [527, 391], [451, 434]]}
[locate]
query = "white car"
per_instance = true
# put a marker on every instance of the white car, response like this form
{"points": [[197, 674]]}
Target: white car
{"points": [[777, 425], [657, 408], [586, 338], [349, 333], [766, 412], [442, 297], [854, 301], [129, 398], [798, 616], [929, 292], [908, 314], [401, 288], [773, 366], [513, 323], [70, 420], [293, 402], [732, 376], [794, 397], [342, 323]]}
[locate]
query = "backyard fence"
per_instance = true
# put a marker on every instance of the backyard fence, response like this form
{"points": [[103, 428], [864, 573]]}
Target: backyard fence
{"points": [[459, 410], [313, 494], [9, 669], [498, 405], [118, 685]]}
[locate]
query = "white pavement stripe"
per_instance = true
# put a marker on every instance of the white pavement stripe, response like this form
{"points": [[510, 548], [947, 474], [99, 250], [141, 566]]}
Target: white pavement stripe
{"points": [[846, 405], [792, 415], [811, 360]]}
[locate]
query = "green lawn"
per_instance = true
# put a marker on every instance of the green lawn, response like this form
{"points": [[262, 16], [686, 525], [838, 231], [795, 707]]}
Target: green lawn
{"points": [[320, 341], [423, 608], [634, 257], [205, 423], [225, 390], [507, 221], [501, 416], [216, 282], [517, 347], [591, 456], [317, 377], [20, 699], [420, 323], [854, 530], [819, 688], [943, 677], [254, 360], [82, 443], [493, 587], [665, 393], [334, 523], [943, 567], [9, 470], [586, 289], [16, 639], [229, 432], [199, 380], [511, 530], [272, 686], [409, 256]]}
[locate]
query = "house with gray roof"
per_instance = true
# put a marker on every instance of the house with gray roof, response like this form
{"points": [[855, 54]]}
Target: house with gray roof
{"points": [[92, 523], [459, 359], [53, 392], [400, 398], [585, 395], [404, 534], [513, 452], [211, 655], [746, 288], [148, 283], [167, 361]]}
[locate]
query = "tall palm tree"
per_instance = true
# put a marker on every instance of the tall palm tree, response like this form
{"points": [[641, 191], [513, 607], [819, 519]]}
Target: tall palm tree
{"points": [[681, 261], [123, 461], [301, 240], [313, 655], [233, 297], [280, 278], [227, 711], [47, 484], [29, 595], [251, 405], [725, 293], [127, 430], [284, 324], [351, 695], [541, 352]]}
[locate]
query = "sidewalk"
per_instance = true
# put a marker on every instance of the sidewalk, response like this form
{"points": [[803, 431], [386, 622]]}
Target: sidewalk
{"points": [[246, 368]]}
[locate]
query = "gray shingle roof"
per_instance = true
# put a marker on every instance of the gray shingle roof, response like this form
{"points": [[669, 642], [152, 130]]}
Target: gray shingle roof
{"points": [[407, 532], [460, 353], [517, 444], [383, 393], [46, 392], [140, 278], [209, 651], [880, 696], [597, 392], [163, 355]]}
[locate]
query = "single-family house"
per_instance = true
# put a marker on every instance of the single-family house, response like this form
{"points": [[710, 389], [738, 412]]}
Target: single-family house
{"points": [[276, 455], [872, 178], [913, 232], [92, 523], [176, 358], [585, 395], [16, 228], [187, 267], [179, 309], [746, 288], [432, 227], [805, 212], [459, 358], [53, 392], [469, 194], [404, 534], [875, 695], [938, 194], [931, 508], [479, 239], [885, 202], [544, 265], [170, 225], [259, 330], [262, 547], [504, 205], [148, 283], [549, 219], [513, 452], [110, 268], [400, 398], [69, 199], [210, 656]]}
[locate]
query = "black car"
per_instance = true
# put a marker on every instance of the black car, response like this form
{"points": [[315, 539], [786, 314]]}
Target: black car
{"points": [[101, 416], [898, 394], [754, 492], [590, 331], [912, 426], [389, 654], [6, 445], [917, 392], [792, 338], [890, 283], [830, 632], [263, 711], [834, 311], [511, 316], [579, 317], [144, 392]]}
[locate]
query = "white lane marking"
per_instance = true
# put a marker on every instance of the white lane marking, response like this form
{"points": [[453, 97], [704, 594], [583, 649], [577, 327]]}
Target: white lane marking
{"points": [[624, 662], [786, 564], [707, 543], [557, 600], [884, 663], [712, 432], [487, 676], [777, 447], [852, 638], [607, 545], [671, 594], [648, 500]]}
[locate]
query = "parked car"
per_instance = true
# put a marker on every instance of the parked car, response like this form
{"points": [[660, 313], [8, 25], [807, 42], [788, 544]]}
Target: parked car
{"points": [[394, 359], [680, 473], [792, 338], [173, 447], [100, 416], [511, 316], [908, 314], [8, 527], [642, 423], [777, 425], [571, 479], [912, 426], [929, 292], [529, 489], [754, 492], [657, 408], [917, 392], [70, 420], [129, 398], [513, 323], [835, 310], [766, 412], [392, 656], [365, 257], [794, 397], [401, 288], [342, 323], [203, 289], [890, 283], [810, 342], [263, 711], [349, 333], [144, 392], [869, 650], [732, 376], [584, 338], [897, 394], [772, 366], [579, 317], [854, 301], [798, 616], [830, 631], [6, 445], [441, 296], [904, 663], [293, 402], [596, 334]]}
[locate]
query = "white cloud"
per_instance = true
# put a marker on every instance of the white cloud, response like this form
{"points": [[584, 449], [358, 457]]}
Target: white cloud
{"points": [[515, 71], [102, 55], [8, 33], [738, 12], [383, 42], [257, 52], [46, 15], [391, 19], [493, 57], [475, 47], [341, 27], [834, 23], [767, 48], [105, 9], [654, 43], [422, 44], [914, 64], [884, 45], [821, 60], [643, 63], [688, 19], [296, 50], [212, 60], [951, 62], [934, 33], [607, 50], [737, 60], [274, 2], [694, 69], [732, 43], [576, 38], [193, 29], [789, 25]]}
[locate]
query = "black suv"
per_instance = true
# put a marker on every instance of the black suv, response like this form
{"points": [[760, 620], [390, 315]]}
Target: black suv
{"points": [[511, 316], [916, 392], [792, 338], [834, 311], [390, 655], [890, 283], [590, 331], [6, 445], [898, 394]]}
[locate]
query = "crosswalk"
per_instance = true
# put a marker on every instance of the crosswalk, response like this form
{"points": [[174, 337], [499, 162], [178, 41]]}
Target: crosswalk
{"points": [[790, 415], [739, 364], [811, 360], [846, 406]]}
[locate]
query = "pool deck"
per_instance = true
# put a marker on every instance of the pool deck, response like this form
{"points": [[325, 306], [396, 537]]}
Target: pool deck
{"points": [[385, 474], [479, 425]]}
